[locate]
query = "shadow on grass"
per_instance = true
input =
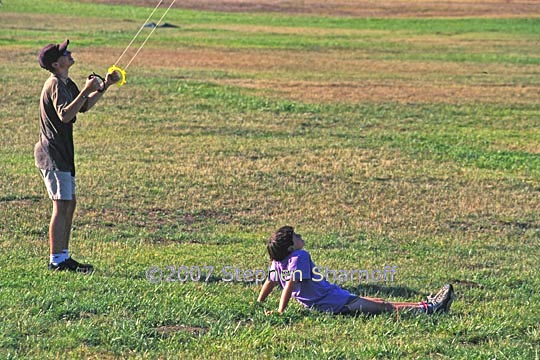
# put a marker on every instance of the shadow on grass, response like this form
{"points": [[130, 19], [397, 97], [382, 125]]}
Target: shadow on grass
{"points": [[21, 198], [373, 290]]}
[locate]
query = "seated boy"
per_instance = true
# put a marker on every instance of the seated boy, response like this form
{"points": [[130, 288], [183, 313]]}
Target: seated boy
{"points": [[292, 268]]}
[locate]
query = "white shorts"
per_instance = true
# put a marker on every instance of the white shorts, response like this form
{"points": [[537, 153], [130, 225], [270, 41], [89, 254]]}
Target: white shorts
{"points": [[60, 184]]}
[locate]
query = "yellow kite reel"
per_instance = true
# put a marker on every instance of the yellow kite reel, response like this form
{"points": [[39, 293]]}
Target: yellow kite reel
{"points": [[121, 72]]}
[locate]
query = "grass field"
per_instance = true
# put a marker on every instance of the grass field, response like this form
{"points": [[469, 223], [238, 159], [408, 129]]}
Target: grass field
{"points": [[407, 141]]}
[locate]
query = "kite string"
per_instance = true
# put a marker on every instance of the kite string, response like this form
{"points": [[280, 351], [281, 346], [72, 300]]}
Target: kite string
{"points": [[138, 32], [154, 29]]}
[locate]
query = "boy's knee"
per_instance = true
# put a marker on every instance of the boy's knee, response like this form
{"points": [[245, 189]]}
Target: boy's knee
{"points": [[64, 207]]}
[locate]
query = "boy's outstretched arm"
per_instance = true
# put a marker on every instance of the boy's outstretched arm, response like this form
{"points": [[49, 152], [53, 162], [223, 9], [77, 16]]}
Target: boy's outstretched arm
{"points": [[266, 290], [286, 295]]}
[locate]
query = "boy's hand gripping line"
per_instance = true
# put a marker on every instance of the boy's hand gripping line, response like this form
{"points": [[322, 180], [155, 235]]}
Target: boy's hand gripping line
{"points": [[102, 85], [121, 72]]}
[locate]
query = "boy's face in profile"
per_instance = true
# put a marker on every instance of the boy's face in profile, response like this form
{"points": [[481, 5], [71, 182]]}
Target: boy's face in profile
{"points": [[65, 61], [298, 242]]}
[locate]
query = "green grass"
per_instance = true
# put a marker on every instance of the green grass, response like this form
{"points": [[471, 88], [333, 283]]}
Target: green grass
{"points": [[381, 37], [187, 170], [526, 27]]}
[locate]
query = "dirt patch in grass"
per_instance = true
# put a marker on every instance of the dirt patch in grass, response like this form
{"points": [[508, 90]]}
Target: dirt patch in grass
{"points": [[361, 8], [168, 330]]}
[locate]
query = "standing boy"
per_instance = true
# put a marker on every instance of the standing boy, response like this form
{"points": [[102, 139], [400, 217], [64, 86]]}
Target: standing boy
{"points": [[59, 105]]}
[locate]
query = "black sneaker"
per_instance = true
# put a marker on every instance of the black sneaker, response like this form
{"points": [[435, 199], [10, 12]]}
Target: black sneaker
{"points": [[442, 300], [72, 265]]}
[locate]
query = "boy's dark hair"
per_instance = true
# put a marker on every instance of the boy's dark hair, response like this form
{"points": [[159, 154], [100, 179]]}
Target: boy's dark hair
{"points": [[280, 243]]}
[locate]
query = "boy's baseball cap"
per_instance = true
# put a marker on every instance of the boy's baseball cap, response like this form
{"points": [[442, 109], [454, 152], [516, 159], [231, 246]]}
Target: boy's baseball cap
{"points": [[51, 53]]}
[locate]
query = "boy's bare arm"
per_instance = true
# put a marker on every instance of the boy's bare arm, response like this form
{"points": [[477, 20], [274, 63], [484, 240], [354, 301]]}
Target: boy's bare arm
{"points": [[286, 295], [266, 290], [69, 112]]}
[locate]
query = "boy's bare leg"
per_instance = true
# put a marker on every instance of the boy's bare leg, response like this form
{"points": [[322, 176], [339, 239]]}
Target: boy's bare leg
{"points": [[58, 229], [373, 299], [369, 306], [70, 211]]}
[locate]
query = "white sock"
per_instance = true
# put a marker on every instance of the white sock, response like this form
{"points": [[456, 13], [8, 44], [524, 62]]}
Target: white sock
{"points": [[66, 253], [58, 258]]}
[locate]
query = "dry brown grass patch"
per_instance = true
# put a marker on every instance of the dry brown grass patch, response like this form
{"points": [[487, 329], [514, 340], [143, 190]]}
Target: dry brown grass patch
{"points": [[343, 76], [168, 330], [393, 91]]}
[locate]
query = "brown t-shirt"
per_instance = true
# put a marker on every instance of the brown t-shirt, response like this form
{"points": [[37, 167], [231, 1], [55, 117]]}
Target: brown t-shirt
{"points": [[55, 150]]}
